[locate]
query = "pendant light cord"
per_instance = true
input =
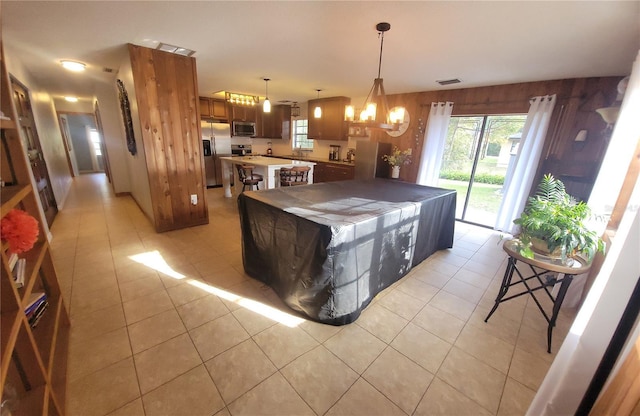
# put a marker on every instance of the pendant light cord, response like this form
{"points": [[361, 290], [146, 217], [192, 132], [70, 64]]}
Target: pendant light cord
{"points": [[381, 36]]}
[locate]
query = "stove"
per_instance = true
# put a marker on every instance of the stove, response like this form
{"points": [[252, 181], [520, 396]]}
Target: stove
{"points": [[241, 150]]}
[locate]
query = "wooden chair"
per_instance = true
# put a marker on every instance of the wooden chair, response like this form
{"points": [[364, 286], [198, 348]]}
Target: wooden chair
{"points": [[248, 177], [297, 175]]}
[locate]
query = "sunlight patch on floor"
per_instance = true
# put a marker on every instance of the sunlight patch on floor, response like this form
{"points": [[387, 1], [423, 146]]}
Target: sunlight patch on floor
{"points": [[155, 261]]}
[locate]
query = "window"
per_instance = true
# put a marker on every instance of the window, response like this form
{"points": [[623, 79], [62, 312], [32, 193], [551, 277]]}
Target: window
{"points": [[300, 139], [95, 140]]}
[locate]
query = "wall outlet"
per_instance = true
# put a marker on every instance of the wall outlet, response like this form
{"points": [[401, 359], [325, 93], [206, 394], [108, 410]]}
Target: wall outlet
{"points": [[194, 199]]}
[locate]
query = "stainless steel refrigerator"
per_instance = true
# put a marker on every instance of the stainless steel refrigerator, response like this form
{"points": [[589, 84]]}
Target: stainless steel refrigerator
{"points": [[216, 142], [369, 162]]}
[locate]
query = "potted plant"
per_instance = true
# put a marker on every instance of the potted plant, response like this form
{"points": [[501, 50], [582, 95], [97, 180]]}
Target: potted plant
{"points": [[396, 159], [554, 222]]}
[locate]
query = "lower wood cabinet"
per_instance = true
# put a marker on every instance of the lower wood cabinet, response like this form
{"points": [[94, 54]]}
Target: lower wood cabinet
{"points": [[331, 172]]}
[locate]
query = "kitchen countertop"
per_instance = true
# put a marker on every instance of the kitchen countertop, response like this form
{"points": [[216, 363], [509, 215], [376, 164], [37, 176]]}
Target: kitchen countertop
{"points": [[313, 159], [268, 160]]}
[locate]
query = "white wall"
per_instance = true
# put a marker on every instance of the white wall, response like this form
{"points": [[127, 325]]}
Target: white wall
{"points": [[114, 138], [136, 165]]}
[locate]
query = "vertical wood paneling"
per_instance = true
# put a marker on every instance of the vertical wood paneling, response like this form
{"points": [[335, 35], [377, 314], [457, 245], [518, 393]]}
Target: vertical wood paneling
{"points": [[577, 99], [167, 97]]}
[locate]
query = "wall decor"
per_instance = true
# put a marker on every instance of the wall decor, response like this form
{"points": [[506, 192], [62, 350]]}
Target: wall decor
{"points": [[126, 116]]}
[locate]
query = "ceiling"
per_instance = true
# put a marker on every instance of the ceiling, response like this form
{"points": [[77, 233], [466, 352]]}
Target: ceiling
{"points": [[333, 46]]}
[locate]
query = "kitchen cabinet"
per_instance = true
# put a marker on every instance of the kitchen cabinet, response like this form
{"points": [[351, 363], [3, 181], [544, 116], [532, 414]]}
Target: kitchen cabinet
{"points": [[331, 126], [213, 108], [331, 172], [276, 124], [243, 113], [34, 350]]}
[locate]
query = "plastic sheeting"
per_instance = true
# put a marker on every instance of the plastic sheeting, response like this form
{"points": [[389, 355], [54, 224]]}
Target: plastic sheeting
{"points": [[327, 249]]}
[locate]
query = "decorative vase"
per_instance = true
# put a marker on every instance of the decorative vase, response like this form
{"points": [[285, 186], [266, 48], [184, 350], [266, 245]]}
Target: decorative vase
{"points": [[395, 172]]}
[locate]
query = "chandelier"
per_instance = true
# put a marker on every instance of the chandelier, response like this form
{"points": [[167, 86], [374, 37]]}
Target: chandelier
{"points": [[241, 99], [368, 116]]}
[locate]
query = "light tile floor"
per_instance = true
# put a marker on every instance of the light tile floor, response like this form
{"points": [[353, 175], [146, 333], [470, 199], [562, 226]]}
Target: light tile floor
{"points": [[169, 324]]}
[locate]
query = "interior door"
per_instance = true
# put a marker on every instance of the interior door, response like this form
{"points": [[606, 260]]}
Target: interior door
{"points": [[31, 142]]}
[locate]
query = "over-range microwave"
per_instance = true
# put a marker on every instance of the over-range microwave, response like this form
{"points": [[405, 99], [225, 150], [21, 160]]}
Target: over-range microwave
{"points": [[243, 128]]}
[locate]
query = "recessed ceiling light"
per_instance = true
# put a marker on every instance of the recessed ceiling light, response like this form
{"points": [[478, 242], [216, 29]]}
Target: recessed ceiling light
{"points": [[74, 66], [71, 99]]}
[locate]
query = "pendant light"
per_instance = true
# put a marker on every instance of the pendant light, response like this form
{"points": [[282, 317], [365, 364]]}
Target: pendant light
{"points": [[266, 107], [317, 112], [295, 109], [392, 119]]}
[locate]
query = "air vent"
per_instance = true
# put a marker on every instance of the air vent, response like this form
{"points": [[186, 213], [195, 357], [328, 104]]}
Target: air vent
{"points": [[178, 50], [107, 70], [449, 81]]}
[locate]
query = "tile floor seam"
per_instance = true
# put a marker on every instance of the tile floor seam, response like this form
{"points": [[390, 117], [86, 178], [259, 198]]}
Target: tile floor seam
{"points": [[382, 393]]}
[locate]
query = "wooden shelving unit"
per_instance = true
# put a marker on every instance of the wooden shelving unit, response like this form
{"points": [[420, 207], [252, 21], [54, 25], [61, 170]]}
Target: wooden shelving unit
{"points": [[33, 360]]}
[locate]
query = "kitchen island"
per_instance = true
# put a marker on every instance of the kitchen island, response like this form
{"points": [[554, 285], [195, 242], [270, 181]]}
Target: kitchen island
{"points": [[268, 167]]}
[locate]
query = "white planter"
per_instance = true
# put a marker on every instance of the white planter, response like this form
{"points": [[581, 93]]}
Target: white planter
{"points": [[395, 172]]}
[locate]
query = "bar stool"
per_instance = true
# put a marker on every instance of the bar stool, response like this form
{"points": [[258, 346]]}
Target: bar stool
{"points": [[248, 177], [297, 175]]}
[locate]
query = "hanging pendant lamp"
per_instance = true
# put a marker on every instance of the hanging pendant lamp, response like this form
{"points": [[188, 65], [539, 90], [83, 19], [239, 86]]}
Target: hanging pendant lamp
{"points": [[368, 117], [317, 112], [266, 106]]}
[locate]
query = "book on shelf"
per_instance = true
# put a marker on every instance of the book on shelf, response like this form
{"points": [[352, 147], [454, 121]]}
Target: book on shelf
{"points": [[34, 318], [19, 272], [35, 299], [13, 259]]}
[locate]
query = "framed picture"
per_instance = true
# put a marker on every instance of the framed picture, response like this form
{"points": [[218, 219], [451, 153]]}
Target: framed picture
{"points": [[126, 116]]}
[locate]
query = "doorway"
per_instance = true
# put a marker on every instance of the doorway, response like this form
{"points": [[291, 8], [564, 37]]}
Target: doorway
{"points": [[477, 156], [83, 142], [31, 143]]}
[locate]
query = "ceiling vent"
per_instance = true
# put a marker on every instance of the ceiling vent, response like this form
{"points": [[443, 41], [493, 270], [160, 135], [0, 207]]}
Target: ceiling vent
{"points": [[449, 81], [107, 70], [178, 50]]}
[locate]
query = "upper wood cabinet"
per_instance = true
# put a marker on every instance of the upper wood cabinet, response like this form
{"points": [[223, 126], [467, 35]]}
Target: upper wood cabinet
{"points": [[276, 124], [213, 108], [243, 113], [331, 125]]}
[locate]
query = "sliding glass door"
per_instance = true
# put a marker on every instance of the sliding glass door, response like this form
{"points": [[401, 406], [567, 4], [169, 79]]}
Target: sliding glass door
{"points": [[477, 155]]}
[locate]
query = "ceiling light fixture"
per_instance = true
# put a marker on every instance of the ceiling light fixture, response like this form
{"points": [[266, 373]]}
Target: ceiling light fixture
{"points": [[266, 106], [71, 99], [241, 99], [74, 66], [295, 109], [317, 112], [393, 119]]}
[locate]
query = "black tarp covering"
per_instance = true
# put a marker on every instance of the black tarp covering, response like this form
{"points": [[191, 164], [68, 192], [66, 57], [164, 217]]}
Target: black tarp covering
{"points": [[327, 249]]}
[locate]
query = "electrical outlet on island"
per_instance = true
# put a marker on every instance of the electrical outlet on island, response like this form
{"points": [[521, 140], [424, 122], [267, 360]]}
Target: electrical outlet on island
{"points": [[194, 199]]}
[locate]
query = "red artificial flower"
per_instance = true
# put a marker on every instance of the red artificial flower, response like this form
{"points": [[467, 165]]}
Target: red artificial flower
{"points": [[20, 230]]}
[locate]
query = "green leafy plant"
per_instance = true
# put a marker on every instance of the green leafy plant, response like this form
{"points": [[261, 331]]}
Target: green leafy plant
{"points": [[556, 218], [398, 157]]}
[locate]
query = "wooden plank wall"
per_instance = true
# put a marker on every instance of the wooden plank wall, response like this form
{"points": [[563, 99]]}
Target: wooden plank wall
{"points": [[167, 97], [575, 163]]}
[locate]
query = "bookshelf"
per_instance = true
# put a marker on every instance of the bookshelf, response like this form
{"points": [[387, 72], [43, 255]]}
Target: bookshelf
{"points": [[33, 357]]}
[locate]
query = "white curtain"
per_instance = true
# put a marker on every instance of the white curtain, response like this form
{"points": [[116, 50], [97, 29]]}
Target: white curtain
{"points": [[521, 171], [434, 141]]}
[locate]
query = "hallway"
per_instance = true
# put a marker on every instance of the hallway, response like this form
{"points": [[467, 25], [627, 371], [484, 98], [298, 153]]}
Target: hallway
{"points": [[169, 324]]}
